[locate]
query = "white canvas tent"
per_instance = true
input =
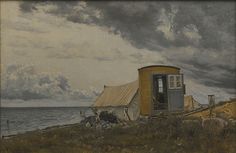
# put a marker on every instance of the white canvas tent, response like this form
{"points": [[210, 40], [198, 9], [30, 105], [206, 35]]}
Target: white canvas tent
{"points": [[121, 100], [190, 103]]}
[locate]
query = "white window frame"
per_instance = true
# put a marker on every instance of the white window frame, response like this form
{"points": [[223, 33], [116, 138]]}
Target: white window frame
{"points": [[160, 87], [175, 81], [169, 76]]}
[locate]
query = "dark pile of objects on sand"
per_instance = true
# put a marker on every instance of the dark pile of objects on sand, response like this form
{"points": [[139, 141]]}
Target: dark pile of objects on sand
{"points": [[103, 120]]}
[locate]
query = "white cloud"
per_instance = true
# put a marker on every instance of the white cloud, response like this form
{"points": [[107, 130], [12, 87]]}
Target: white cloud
{"points": [[79, 51], [166, 25], [87, 55], [24, 82], [191, 32]]}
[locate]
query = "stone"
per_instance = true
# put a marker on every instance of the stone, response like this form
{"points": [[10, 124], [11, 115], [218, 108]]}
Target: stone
{"points": [[88, 124]]}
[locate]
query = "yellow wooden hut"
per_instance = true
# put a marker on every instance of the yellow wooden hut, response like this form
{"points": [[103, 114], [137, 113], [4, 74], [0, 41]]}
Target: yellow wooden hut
{"points": [[159, 88]]}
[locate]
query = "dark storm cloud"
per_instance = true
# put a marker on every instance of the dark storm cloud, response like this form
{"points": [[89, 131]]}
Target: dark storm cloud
{"points": [[212, 21], [207, 27], [222, 80], [138, 21]]}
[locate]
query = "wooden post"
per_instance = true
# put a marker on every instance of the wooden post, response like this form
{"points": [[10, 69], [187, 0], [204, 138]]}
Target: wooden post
{"points": [[211, 101]]}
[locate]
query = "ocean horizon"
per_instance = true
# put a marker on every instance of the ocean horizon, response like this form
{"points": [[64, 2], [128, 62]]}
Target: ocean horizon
{"points": [[17, 120]]}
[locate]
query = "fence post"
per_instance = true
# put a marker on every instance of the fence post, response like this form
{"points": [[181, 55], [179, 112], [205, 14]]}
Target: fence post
{"points": [[211, 101]]}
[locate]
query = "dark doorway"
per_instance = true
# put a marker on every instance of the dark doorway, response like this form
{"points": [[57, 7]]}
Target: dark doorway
{"points": [[160, 101]]}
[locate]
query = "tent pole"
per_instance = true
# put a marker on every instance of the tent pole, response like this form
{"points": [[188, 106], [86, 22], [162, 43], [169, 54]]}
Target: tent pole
{"points": [[126, 111]]}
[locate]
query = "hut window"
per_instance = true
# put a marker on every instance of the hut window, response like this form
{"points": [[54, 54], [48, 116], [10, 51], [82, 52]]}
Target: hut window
{"points": [[178, 81], [171, 82], [160, 85], [175, 81]]}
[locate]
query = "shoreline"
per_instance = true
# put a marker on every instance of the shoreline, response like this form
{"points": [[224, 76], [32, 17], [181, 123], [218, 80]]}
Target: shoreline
{"points": [[46, 107], [38, 130], [42, 118]]}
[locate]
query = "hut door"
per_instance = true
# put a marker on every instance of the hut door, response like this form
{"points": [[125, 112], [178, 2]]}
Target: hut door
{"points": [[160, 92]]}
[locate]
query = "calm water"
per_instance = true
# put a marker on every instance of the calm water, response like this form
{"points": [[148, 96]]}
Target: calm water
{"points": [[20, 120]]}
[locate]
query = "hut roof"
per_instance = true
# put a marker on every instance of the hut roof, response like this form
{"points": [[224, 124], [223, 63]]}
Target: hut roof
{"points": [[159, 66], [117, 95]]}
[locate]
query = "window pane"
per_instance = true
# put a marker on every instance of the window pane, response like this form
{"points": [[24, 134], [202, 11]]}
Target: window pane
{"points": [[172, 78], [178, 81], [172, 83], [160, 83], [160, 89]]}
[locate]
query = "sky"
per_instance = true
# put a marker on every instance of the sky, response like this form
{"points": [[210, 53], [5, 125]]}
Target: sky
{"points": [[61, 50]]}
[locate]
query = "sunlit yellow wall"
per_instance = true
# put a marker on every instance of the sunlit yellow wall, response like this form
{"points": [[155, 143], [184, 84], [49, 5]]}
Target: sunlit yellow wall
{"points": [[145, 84]]}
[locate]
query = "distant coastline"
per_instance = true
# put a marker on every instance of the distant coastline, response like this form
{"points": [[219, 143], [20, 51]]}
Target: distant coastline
{"points": [[44, 103]]}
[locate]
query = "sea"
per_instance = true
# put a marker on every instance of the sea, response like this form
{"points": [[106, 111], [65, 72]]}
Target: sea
{"points": [[16, 120]]}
